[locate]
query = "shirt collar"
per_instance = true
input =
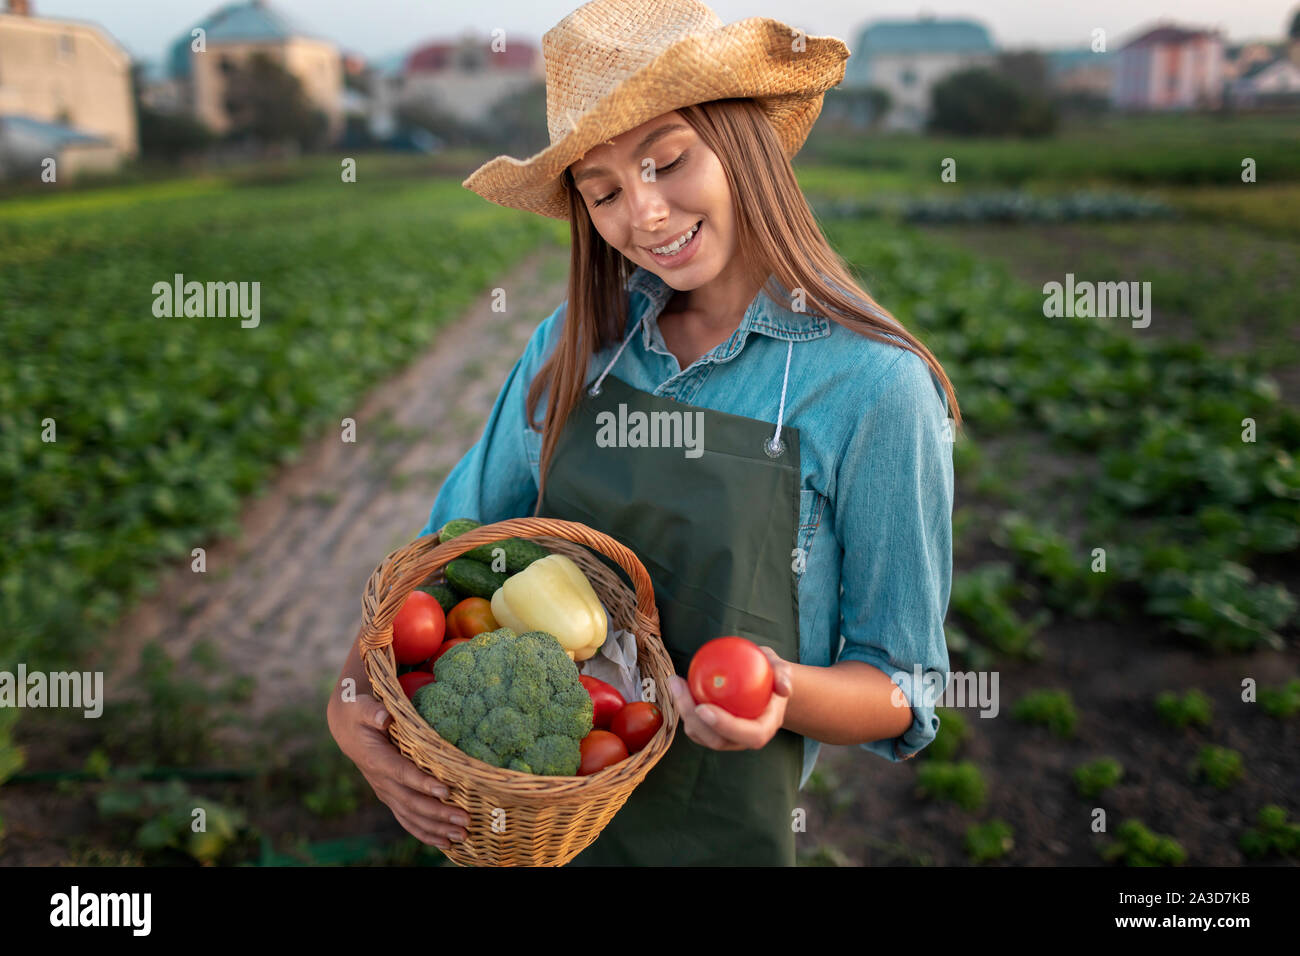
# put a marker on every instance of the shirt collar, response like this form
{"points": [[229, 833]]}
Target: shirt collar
{"points": [[763, 315]]}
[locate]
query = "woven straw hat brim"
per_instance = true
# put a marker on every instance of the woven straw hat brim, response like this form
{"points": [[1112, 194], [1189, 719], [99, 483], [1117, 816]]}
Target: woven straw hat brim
{"points": [[748, 58]]}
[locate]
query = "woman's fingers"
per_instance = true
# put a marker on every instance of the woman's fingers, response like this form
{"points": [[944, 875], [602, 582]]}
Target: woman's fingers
{"points": [[420, 831], [711, 726], [781, 673], [414, 796], [742, 733], [699, 731]]}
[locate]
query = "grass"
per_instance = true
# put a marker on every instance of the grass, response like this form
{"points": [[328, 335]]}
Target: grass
{"points": [[1092, 778], [1191, 708], [1135, 845], [959, 783], [1053, 709]]}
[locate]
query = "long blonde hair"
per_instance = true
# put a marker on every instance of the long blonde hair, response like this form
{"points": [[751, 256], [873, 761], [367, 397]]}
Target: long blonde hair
{"points": [[776, 233]]}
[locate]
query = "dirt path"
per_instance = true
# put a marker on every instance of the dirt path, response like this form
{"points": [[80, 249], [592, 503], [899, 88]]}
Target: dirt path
{"points": [[282, 602]]}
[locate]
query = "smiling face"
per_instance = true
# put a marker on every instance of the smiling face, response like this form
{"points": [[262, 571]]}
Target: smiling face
{"points": [[651, 185]]}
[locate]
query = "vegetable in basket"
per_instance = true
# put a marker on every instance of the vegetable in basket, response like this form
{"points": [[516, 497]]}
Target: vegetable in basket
{"points": [[510, 700], [517, 553], [553, 595]]}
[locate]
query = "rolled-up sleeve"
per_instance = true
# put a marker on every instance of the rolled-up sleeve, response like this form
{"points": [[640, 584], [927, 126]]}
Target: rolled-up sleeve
{"points": [[894, 519], [493, 480]]}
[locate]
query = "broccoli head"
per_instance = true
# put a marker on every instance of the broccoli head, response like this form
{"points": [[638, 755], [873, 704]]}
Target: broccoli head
{"points": [[510, 700]]}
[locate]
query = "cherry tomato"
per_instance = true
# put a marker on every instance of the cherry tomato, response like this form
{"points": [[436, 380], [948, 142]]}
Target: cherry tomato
{"points": [[471, 616], [600, 749], [732, 673], [446, 646], [412, 681], [605, 698], [418, 628], [636, 723]]}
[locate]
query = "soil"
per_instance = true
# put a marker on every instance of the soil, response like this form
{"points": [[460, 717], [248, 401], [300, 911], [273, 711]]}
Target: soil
{"points": [[1113, 672]]}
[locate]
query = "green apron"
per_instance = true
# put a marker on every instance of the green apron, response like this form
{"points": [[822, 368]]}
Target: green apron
{"points": [[716, 534]]}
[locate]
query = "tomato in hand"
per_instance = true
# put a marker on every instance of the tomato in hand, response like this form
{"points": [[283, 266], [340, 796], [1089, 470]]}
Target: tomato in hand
{"points": [[605, 698], [470, 617], [418, 628], [600, 749], [636, 723], [412, 681], [734, 674], [446, 646]]}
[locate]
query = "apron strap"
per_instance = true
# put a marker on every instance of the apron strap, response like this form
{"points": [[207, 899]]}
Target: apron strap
{"points": [[595, 387], [774, 447]]}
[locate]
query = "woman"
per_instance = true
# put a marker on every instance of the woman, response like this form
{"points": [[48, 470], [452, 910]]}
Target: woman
{"points": [[808, 494]]}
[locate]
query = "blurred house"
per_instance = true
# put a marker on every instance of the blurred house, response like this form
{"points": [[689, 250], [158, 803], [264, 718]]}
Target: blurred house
{"points": [[466, 78], [65, 93], [1241, 58], [233, 35], [1081, 71], [1274, 82], [1170, 68], [26, 144], [906, 58]]}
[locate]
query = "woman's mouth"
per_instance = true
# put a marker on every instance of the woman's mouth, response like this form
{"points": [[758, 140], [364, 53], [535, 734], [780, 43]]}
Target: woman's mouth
{"points": [[681, 253]]}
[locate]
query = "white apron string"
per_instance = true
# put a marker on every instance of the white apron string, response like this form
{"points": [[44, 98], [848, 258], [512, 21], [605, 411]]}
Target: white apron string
{"points": [[774, 446]]}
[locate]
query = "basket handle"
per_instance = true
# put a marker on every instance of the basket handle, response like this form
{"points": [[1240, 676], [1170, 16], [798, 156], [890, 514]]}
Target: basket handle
{"points": [[379, 609]]}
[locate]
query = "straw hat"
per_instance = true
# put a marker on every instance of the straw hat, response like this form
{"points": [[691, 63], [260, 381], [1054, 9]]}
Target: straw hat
{"points": [[611, 65]]}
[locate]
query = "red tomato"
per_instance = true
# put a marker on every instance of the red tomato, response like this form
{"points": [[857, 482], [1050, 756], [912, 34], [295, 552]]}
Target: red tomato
{"points": [[412, 681], [605, 698], [732, 673], [418, 628], [636, 723], [470, 617], [446, 646], [600, 749]]}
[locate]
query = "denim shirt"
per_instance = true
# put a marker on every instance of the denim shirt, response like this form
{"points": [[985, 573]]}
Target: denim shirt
{"points": [[875, 505]]}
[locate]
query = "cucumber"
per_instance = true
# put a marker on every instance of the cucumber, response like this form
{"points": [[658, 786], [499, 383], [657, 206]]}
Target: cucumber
{"points": [[457, 526], [473, 577], [445, 595], [519, 552]]}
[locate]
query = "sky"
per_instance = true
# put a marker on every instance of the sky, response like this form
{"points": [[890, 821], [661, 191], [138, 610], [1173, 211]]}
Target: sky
{"points": [[377, 28]]}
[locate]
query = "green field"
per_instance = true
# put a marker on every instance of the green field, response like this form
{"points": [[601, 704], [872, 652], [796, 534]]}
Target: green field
{"points": [[163, 425], [1160, 151], [1081, 436]]}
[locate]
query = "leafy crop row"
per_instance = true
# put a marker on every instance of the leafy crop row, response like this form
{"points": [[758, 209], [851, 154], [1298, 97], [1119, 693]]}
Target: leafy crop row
{"points": [[163, 425]]}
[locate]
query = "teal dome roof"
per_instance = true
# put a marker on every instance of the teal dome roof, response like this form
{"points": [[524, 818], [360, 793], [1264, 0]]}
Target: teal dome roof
{"points": [[915, 36], [249, 21]]}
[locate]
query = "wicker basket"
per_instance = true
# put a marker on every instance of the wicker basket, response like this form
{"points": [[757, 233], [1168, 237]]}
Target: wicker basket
{"points": [[519, 819]]}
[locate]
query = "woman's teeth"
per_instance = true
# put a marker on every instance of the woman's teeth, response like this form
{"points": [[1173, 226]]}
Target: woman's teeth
{"points": [[675, 247]]}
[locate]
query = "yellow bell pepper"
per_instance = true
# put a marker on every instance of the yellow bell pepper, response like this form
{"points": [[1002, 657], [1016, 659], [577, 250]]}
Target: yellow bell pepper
{"points": [[553, 595]]}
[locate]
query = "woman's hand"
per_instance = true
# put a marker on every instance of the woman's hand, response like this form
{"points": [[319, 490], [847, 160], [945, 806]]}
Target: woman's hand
{"points": [[711, 726], [360, 729]]}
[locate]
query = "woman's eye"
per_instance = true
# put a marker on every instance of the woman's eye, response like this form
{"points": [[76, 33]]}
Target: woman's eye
{"points": [[663, 169]]}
